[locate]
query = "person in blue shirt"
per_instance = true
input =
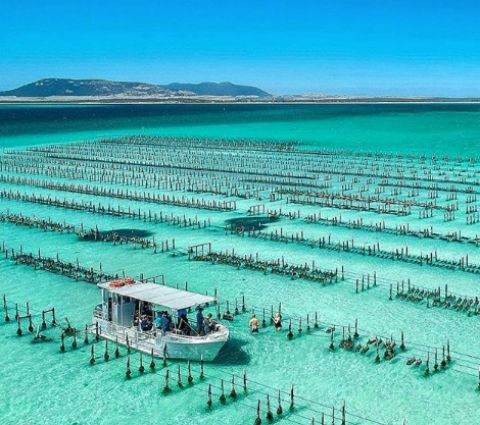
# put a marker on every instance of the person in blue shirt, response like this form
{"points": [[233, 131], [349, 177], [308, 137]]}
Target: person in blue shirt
{"points": [[164, 322], [181, 313], [144, 323], [200, 320]]}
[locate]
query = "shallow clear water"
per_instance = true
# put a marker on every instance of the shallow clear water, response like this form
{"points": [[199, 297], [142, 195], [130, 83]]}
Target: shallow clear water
{"points": [[43, 385]]}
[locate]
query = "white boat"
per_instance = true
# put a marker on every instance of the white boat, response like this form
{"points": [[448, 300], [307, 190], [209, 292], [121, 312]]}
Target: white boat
{"points": [[124, 299]]}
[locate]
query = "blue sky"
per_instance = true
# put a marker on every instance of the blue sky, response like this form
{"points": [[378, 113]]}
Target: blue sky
{"points": [[354, 47]]}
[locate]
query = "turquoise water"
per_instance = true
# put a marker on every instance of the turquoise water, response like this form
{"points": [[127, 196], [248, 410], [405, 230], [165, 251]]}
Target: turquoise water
{"points": [[43, 385], [432, 128]]}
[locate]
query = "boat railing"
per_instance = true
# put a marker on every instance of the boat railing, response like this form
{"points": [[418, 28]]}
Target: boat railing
{"points": [[134, 335], [138, 335]]}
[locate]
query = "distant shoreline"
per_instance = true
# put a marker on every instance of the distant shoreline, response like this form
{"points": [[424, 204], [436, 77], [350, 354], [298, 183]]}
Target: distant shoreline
{"points": [[230, 101]]}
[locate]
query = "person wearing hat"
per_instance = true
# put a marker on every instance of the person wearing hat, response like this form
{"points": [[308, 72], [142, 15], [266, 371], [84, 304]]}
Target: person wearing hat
{"points": [[207, 324]]}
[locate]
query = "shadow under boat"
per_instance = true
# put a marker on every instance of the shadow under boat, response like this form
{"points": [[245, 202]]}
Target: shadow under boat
{"points": [[232, 353]]}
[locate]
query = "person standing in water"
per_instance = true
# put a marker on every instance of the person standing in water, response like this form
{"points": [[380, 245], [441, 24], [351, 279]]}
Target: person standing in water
{"points": [[253, 324], [277, 322]]}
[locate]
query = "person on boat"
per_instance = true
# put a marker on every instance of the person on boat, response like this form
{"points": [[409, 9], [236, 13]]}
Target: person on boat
{"points": [[277, 322], [181, 313], [200, 319], [171, 323], [184, 325], [207, 324], [144, 323], [149, 326], [253, 323], [164, 322]]}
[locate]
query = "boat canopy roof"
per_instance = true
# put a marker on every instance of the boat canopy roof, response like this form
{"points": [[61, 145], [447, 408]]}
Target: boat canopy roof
{"points": [[172, 298]]}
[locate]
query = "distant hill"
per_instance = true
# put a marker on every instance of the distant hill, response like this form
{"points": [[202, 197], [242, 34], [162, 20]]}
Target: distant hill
{"points": [[100, 88], [65, 87], [217, 89]]}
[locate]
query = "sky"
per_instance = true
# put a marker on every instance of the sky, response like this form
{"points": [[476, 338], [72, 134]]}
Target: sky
{"points": [[337, 47]]}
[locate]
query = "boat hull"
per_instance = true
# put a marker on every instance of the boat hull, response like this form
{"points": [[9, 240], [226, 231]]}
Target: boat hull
{"points": [[207, 348], [170, 345]]}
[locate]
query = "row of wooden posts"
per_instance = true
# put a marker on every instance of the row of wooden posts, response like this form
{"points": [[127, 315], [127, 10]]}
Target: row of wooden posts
{"points": [[99, 208]]}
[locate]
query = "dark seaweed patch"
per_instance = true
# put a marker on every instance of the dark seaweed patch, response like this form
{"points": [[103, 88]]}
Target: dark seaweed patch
{"points": [[117, 233], [251, 223]]}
